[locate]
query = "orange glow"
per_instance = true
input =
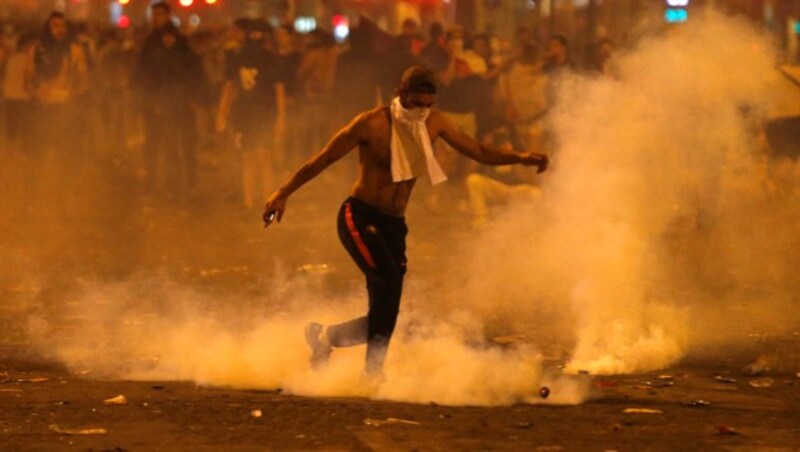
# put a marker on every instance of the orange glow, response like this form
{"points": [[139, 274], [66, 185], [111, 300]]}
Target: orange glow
{"points": [[186, 2]]}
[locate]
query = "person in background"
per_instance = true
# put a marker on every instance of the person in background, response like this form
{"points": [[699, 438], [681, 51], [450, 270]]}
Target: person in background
{"points": [[557, 65], [17, 101], [410, 37], [176, 95], [557, 59], [486, 116], [55, 75], [117, 56], [524, 98], [150, 75], [601, 57], [434, 55], [462, 79], [358, 73], [286, 49], [253, 97], [317, 74]]}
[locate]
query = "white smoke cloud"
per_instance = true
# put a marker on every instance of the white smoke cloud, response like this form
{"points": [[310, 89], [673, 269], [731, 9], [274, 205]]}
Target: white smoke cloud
{"points": [[646, 161], [154, 329]]}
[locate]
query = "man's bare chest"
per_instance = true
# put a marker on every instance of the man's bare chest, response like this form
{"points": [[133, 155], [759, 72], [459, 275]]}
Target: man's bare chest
{"points": [[376, 150]]}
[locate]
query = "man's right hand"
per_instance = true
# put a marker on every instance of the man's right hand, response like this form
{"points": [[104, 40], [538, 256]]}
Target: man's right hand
{"points": [[274, 209]]}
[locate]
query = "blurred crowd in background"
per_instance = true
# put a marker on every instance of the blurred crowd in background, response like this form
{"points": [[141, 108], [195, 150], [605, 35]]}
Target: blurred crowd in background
{"points": [[156, 102]]}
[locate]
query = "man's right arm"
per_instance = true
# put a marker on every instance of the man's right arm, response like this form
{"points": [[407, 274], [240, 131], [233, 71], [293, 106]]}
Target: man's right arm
{"points": [[340, 145]]}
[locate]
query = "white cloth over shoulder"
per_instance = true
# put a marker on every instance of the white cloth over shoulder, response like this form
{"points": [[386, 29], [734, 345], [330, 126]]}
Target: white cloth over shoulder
{"points": [[412, 152]]}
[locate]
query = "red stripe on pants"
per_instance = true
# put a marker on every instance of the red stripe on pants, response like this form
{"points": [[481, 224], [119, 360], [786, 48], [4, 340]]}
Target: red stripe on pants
{"points": [[362, 247]]}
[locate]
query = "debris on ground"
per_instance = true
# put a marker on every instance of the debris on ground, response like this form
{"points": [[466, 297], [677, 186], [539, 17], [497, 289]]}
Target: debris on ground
{"points": [[666, 377], [4, 378], [764, 382], [256, 413], [641, 411], [659, 384], [389, 421], [118, 400], [77, 431], [726, 430], [32, 380], [722, 379], [762, 364], [697, 403]]}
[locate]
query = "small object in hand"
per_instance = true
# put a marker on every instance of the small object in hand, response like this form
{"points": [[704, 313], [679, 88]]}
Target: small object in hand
{"points": [[269, 217], [544, 392]]}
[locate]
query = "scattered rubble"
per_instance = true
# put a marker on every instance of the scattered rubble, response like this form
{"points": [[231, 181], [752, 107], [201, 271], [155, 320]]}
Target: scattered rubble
{"points": [[726, 430], [389, 421], [761, 365], [32, 380], [642, 411], [697, 403], [77, 431], [764, 382], [118, 400]]}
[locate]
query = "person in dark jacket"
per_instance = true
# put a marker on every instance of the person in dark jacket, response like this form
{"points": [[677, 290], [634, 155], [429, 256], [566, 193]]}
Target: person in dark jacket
{"points": [[253, 97], [168, 76]]}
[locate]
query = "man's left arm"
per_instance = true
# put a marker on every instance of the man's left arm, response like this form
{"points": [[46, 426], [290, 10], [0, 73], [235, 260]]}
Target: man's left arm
{"points": [[483, 153]]}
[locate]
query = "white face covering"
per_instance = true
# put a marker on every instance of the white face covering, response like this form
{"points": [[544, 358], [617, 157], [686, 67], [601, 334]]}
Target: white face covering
{"points": [[412, 152], [410, 115]]}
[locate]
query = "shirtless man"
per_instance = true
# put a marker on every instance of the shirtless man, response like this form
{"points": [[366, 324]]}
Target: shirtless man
{"points": [[371, 225]]}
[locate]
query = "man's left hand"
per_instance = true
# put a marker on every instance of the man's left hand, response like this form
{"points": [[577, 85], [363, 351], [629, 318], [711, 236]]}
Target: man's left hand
{"points": [[535, 158]]}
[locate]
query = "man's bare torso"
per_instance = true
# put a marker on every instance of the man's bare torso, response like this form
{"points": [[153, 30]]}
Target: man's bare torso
{"points": [[374, 185]]}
